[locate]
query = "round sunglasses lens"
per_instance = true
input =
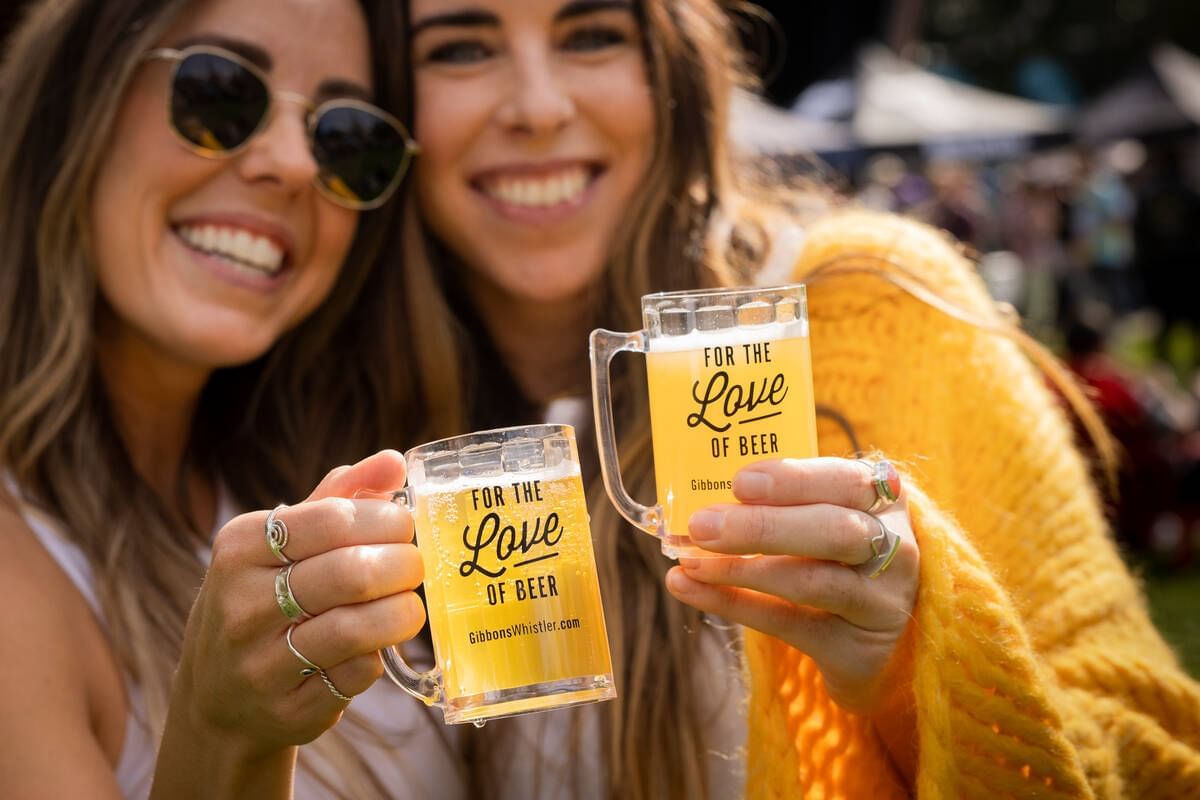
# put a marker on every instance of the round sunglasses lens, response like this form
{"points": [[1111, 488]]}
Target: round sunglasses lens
{"points": [[360, 154], [216, 103]]}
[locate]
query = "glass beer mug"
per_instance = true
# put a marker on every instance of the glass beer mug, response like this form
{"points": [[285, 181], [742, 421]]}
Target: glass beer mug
{"points": [[510, 578], [730, 382]]}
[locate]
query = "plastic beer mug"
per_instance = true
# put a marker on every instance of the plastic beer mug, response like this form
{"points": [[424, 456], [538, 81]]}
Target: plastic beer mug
{"points": [[510, 578], [730, 380]]}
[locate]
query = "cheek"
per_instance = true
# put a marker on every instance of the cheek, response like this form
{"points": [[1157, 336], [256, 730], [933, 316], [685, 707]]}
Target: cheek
{"points": [[141, 166], [621, 104], [449, 118], [335, 236]]}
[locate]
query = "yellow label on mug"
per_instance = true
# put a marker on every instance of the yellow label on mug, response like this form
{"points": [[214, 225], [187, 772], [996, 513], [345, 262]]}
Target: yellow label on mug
{"points": [[510, 582], [721, 400]]}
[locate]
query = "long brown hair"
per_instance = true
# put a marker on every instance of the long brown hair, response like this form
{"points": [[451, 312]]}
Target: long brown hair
{"points": [[61, 84], [654, 744]]}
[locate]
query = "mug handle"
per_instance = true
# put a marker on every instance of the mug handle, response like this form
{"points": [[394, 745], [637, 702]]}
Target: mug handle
{"points": [[605, 344], [425, 686]]}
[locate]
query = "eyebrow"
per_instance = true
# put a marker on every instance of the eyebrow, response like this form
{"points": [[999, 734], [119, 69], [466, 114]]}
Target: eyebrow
{"points": [[331, 87], [478, 18]]}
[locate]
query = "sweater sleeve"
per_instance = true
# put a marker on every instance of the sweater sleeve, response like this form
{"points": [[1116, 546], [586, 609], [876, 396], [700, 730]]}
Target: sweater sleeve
{"points": [[1036, 670]]}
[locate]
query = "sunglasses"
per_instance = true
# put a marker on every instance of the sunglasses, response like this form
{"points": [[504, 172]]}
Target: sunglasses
{"points": [[219, 102]]}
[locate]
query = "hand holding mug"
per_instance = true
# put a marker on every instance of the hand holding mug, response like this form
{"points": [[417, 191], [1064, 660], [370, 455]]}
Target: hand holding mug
{"points": [[832, 580], [251, 673]]}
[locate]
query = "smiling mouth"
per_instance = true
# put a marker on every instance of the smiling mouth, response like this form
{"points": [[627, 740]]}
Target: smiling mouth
{"points": [[561, 187], [259, 255]]}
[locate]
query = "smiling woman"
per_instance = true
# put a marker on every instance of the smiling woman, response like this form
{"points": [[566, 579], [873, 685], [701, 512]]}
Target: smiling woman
{"points": [[192, 193], [575, 158]]}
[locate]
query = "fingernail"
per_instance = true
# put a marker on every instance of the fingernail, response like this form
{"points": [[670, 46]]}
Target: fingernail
{"points": [[752, 485], [689, 563], [706, 525]]}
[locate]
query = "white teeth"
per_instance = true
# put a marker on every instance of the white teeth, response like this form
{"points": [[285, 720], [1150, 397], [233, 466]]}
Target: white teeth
{"points": [[539, 192], [236, 245]]}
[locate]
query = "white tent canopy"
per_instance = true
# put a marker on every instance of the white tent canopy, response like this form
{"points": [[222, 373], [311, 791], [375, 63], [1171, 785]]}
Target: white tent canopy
{"points": [[899, 103], [1179, 71], [1165, 97], [892, 102], [757, 126]]}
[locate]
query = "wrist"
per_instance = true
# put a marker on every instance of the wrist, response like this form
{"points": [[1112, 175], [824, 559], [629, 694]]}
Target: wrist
{"points": [[202, 761], [203, 758]]}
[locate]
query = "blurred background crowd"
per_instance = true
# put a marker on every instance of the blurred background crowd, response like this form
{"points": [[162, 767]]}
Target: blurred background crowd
{"points": [[1060, 141]]}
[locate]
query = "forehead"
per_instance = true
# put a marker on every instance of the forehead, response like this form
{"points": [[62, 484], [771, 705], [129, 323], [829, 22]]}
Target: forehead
{"points": [[308, 41], [505, 9]]}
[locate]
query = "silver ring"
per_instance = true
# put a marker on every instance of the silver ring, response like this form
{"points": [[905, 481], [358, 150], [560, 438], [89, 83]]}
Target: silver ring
{"points": [[277, 533], [312, 669], [333, 690], [288, 604], [884, 546], [886, 482], [309, 667]]}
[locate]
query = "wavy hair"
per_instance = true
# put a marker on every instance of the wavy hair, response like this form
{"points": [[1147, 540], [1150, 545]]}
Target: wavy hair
{"points": [[653, 733], [62, 81]]}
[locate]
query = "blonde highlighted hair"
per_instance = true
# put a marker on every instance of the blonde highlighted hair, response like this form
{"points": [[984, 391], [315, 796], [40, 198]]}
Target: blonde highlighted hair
{"points": [[63, 79]]}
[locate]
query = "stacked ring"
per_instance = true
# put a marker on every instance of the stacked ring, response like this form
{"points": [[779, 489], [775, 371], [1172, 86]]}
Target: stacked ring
{"points": [[277, 533], [886, 481], [288, 604], [884, 546], [312, 669]]}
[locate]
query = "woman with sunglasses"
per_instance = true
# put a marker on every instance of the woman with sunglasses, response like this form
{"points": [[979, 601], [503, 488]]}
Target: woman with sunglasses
{"points": [[190, 194], [575, 156]]}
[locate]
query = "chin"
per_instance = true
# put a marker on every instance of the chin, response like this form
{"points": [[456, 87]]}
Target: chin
{"points": [[219, 349]]}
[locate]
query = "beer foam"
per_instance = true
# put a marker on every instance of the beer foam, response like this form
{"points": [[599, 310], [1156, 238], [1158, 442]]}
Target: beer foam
{"points": [[744, 334], [565, 469]]}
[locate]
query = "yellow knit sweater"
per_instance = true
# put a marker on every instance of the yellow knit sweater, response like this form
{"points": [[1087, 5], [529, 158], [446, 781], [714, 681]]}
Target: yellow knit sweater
{"points": [[1035, 669]]}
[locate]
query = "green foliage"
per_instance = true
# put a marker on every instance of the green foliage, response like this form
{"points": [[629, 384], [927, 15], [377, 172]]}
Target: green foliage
{"points": [[1175, 607]]}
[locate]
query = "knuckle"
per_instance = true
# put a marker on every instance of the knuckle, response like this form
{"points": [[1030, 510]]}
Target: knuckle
{"points": [[228, 545], [857, 531], [757, 524], [834, 592], [355, 575], [347, 628], [329, 520]]}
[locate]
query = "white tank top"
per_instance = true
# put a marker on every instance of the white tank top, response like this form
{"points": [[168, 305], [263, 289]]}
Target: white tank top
{"points": [[413, 759], [419, 756]]}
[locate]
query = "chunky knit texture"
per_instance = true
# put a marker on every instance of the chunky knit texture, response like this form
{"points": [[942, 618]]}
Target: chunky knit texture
{"points": [[1035, 669]]}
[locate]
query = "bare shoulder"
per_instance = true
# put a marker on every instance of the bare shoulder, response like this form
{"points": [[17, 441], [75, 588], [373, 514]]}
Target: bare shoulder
{"points": [[46, 715]]}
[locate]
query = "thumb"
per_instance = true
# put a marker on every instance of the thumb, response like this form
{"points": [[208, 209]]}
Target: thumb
{"points": [[379, 474]]}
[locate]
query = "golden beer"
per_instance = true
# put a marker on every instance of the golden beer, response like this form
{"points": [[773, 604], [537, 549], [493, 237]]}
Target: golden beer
{"points": [[720, 401], [729, 375], [510, 579], [510, 582]]}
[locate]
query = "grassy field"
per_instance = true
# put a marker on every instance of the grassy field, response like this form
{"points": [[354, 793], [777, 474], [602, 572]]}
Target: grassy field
{"points": [[1175, 606]]}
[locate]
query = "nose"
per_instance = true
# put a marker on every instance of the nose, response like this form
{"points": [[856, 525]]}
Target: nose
{"points": [[539, 101], [280, 155]]}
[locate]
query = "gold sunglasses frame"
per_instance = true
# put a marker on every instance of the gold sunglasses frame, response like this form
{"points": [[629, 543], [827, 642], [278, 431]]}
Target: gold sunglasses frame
{"points": [[312, 113]]}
